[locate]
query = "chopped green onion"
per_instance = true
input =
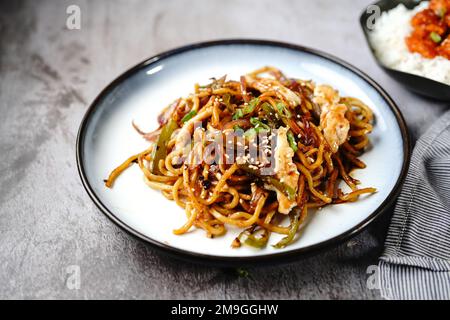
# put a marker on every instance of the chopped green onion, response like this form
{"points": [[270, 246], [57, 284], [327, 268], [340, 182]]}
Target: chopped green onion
{"points": [[435, 37], [238, 114], [271, 115], [292, 142], [246, 109], [189, 116], [283, 110], [441, 12], [251, 106], [259, 125]]}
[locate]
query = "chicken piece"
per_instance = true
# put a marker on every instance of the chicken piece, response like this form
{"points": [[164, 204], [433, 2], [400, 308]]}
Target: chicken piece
{"points": [[265, 84], [335, 125], [422, 44], [325, 95], [195, 157], [424, 17], [440, 7], [184, 134], [444, 48], [429, 27], [285, 171]]}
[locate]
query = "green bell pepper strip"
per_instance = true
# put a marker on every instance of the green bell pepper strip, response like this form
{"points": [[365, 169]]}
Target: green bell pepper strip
{"points": [[293, 228], [287, 190], [160, 152], [189, 116], [254, 238]]}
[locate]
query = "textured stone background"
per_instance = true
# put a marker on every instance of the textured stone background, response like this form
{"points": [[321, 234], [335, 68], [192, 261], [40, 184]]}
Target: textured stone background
{"points": [[48, 77]]}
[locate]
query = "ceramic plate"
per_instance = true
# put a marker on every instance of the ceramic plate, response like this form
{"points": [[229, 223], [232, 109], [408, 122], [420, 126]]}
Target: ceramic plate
{"points": [[106, 138]]}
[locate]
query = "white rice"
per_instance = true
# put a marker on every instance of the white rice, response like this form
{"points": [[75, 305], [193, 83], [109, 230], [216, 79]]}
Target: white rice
{"points": [[388, 41]]}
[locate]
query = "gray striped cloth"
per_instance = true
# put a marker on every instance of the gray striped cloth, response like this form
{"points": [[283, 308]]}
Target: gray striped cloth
{"points": [[416, 260]]}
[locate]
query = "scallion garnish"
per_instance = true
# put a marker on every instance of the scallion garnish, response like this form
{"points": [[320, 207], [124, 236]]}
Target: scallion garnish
{"points": [[238, 114], [292, 142], [259, 125], [435, 37], [189, 116], [283, 110], [251, 106]]}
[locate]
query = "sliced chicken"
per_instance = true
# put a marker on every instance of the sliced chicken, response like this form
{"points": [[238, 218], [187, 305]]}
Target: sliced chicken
{"points": [[265, 84], [285, 171], [335, 125], [184, 134]]}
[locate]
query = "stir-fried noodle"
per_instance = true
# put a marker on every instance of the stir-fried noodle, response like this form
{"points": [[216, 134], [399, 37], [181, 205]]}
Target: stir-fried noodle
{"points": [[248, 153]]}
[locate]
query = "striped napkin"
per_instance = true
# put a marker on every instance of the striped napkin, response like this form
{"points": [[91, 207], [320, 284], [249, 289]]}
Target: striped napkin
{"points": [[416, 260]]}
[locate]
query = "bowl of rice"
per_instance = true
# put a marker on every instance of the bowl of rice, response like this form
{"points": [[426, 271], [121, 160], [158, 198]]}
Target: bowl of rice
{"points": [[386, 25]]}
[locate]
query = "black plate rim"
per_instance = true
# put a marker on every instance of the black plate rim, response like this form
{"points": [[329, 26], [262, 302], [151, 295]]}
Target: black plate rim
{"points": [[281, 257]]}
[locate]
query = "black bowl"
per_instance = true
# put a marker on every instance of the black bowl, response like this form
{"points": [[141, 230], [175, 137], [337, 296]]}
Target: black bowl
{"points": [[421, 85]]}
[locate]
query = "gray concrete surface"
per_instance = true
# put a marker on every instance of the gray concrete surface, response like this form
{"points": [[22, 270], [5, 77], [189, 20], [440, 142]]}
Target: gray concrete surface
{"points": [[48, 77]]}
